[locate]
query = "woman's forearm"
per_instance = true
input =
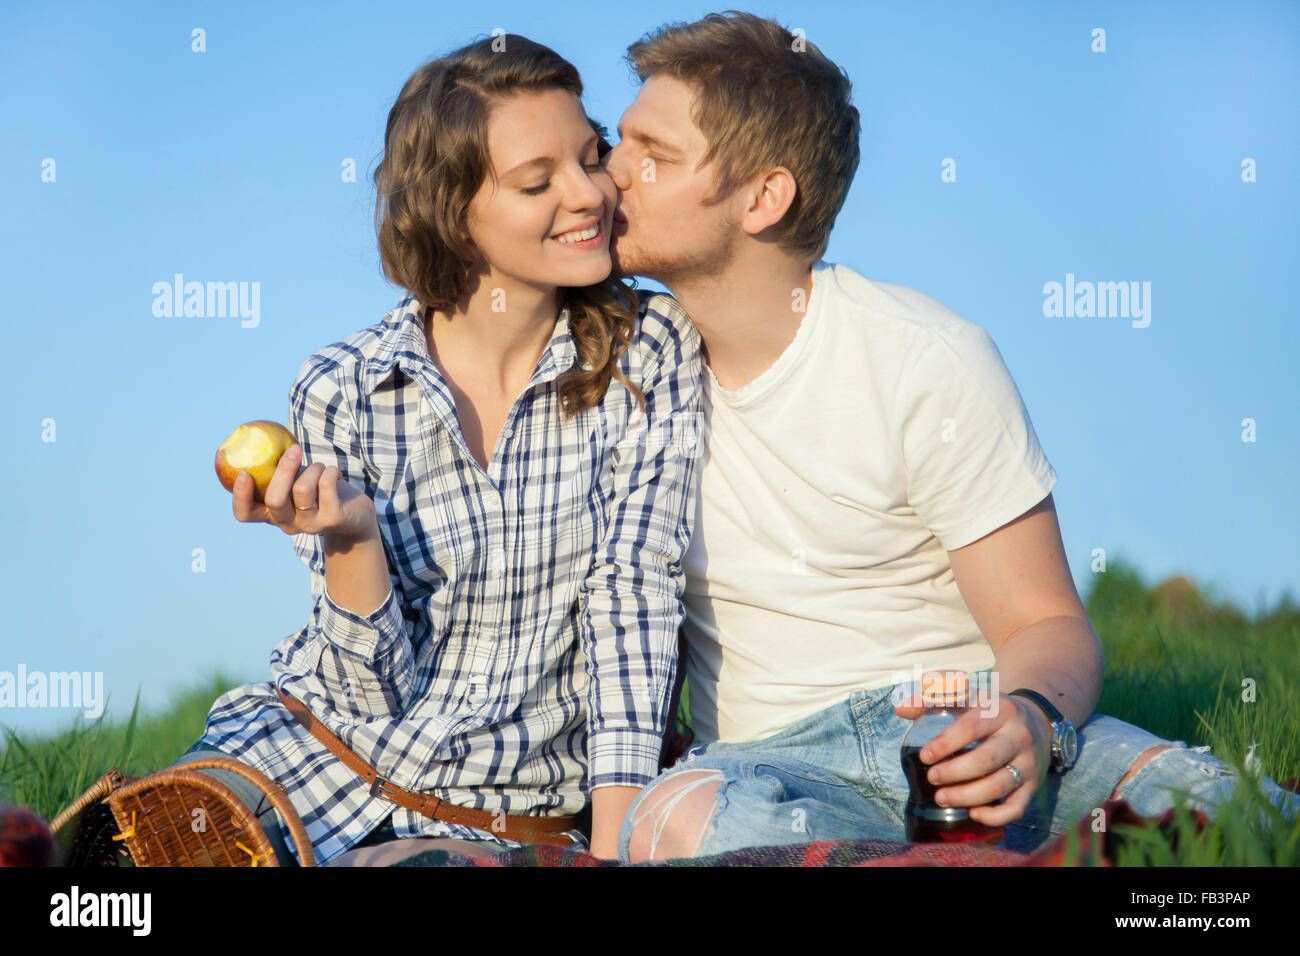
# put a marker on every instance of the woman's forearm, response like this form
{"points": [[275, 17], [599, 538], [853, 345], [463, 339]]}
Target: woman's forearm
{"points": [[608, 807], [356, 572], [367, 666]]}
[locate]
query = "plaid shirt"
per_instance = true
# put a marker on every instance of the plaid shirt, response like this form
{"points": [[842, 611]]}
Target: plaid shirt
{"points": [[529, 636]]}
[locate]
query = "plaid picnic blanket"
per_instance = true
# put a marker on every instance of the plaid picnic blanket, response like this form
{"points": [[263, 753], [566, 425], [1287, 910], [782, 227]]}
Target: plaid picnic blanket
{"points": [[1095, 848], [25, 840]]}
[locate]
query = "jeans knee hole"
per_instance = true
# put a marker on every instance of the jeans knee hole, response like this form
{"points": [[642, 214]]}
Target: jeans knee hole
{"points": [[1205, 762]]}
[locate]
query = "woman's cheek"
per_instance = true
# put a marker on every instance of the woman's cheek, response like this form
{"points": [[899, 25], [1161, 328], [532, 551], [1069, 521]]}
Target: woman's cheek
{"points": [[606, 182]]}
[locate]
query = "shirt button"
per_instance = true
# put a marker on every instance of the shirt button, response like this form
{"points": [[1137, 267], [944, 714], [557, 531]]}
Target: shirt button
{"points": [[497, 563]]}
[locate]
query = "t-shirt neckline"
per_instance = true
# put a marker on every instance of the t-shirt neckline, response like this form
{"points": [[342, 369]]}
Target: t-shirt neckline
{"points": [[772, 376]]}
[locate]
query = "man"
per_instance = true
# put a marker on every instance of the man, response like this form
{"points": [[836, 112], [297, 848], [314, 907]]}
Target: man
{"points": [[873, 500]]}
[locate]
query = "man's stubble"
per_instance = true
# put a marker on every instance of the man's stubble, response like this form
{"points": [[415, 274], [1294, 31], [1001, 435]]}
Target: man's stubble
{"points": [[675, 271]]}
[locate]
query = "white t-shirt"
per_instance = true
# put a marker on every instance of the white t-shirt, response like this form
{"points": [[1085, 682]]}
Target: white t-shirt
{"points": [[888, 433]]}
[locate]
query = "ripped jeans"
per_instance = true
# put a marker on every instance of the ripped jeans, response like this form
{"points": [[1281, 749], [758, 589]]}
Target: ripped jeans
{"points": [[837, 775]]}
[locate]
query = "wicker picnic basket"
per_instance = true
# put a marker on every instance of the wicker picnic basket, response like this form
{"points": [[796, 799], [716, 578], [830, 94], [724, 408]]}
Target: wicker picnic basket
{"points": [[177, 817]]}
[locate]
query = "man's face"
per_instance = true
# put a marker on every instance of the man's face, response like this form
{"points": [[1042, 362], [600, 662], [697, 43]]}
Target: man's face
{"points": [[662, 229]]}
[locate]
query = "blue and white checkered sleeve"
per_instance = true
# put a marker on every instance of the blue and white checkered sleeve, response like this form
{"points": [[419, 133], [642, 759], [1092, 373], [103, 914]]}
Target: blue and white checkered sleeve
{"points": [[631, 601], [366, 663]]}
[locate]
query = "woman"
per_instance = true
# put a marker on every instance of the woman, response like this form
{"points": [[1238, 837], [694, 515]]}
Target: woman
{"points": [[496, 495]]}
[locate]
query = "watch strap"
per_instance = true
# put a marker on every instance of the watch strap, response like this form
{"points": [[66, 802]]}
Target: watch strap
{"points": [[1060, 725], [1054, 715]]}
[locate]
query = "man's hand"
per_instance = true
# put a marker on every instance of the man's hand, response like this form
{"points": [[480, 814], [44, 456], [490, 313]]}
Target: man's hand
{"points": [[1017, 732]]}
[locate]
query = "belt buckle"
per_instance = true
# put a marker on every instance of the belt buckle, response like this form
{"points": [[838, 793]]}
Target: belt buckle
{"points": [[377, 788]]}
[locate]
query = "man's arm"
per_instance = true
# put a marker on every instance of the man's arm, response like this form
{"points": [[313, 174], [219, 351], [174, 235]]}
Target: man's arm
{"points": [[974, 462], [1017, 585], [1016, 582]]}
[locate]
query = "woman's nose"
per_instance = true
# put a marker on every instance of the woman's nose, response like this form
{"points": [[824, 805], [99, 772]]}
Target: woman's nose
{"points": [[584, 192]]}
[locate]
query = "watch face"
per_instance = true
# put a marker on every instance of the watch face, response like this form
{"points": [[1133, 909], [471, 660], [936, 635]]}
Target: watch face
{"points": [[1069, 747]]}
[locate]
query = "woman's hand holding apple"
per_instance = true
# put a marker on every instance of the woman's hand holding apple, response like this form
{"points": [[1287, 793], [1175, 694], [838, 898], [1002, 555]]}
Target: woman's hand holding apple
{"points": [[259, 463], [313, 502]]}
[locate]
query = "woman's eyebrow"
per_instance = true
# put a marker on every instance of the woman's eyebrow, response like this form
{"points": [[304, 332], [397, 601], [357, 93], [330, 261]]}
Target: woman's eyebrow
{"points": [[548, 162]]}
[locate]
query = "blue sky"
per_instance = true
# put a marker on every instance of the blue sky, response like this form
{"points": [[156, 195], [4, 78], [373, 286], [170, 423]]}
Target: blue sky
{"points": [[1117, 166]]}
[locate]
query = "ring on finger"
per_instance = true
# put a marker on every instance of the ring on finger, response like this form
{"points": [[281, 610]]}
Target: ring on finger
{"points": [[1015, 773], [296, 508]]}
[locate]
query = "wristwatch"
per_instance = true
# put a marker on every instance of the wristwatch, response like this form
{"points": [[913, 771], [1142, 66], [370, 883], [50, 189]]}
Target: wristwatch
{"points": [[1065, 742]]}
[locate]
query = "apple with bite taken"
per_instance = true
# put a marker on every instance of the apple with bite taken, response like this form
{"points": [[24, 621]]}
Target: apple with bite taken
{"points": [[254, 447]]}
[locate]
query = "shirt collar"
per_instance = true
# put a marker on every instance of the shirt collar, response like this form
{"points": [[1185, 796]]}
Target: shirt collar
{"points": [[403, 345]]}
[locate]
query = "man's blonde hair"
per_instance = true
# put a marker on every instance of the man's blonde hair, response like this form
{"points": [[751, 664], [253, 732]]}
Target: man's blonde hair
{"points": [[765, 97]]}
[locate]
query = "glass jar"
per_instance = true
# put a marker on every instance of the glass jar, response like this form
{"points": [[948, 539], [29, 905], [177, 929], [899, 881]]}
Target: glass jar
{"points": [[946, 697]]}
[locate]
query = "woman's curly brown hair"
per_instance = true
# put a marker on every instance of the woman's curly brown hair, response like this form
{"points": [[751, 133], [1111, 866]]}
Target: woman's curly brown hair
{"points": [[436, 157]]}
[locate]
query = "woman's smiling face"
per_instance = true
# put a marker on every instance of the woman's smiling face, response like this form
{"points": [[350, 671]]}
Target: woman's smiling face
{"points": [[550, 187]]}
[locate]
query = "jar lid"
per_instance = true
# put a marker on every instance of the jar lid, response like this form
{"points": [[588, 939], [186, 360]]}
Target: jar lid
{"points": [[944, 688]]}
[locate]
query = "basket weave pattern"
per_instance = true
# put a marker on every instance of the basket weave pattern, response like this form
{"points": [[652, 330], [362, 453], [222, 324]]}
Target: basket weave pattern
{"points": [[178, 817]]}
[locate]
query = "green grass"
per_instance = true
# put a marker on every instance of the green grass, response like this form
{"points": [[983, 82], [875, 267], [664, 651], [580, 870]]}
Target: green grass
{"points": [[1177, 675], [1181, 677], [48, 773]]}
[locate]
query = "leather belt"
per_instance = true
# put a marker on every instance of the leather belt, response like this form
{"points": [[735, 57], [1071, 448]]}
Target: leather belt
{"points": [[517, 828]]}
